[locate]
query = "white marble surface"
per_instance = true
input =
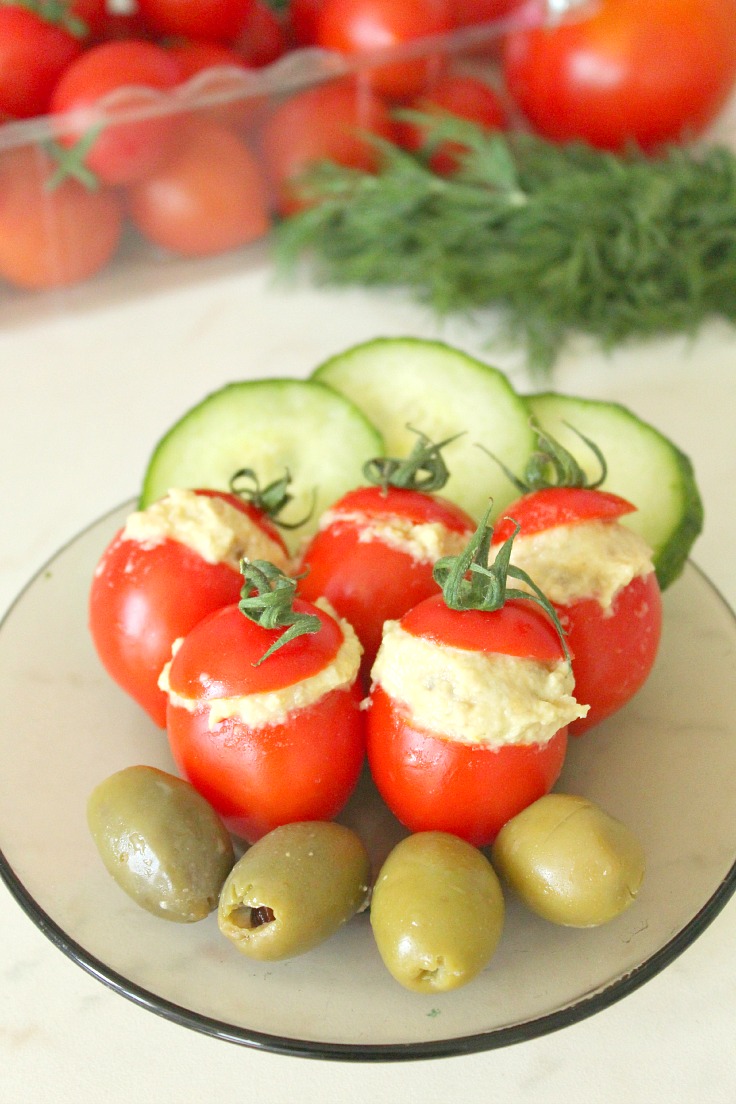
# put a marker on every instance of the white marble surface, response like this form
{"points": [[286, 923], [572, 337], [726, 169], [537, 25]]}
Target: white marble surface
{"points": [[84, 394]]}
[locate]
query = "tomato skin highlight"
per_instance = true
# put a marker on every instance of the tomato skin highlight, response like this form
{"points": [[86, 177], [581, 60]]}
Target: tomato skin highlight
{"points": [[360, 26], [301, 767], [430, 783], [626, 73], [369, 581]]}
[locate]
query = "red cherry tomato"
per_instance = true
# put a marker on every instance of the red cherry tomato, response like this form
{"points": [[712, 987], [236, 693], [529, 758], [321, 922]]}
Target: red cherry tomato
{"points": [[326, 122], [367, 576], [303, 765], [432, 782], [212, 20], [33, 55], [469, 13], [363, 26], [52, 235], [627, 72], [92, 14], [262, 38], [216, 70], [145, 596], [208, 197], [613, 649], [132, 74], [462, 96], [303, 19]]}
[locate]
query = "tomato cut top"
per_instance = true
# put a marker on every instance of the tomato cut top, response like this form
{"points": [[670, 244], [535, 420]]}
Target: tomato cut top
{"points": [[517, 629], [415, 506], [218, 657], [553, 506]]}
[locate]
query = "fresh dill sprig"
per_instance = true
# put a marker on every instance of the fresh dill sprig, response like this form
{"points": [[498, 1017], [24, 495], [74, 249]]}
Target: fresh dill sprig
{"points": [[562, 238]]}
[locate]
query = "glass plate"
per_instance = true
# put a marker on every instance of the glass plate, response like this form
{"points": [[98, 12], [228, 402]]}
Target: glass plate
{"points": [[666, 766]]}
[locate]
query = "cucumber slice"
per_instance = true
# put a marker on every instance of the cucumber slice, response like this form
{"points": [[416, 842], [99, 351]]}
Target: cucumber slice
{"points": [[644, 467], [268, 425], [441, 391]]}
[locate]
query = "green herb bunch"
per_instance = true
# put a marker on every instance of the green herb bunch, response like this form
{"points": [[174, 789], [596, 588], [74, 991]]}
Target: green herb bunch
{"points": [[562, 238]]}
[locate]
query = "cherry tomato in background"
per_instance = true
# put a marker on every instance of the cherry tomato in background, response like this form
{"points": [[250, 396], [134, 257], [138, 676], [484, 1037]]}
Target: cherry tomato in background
{"points": [[303, 20], [355, 27], [326, 122], [52, 235], [208, 197], [300, 758], [627, 73], [262, 38], [458, 95], [146, 593], [206, 61], [469, 13], [93, 14], [614, 645], [432, 781], [212, 20], [33, 55], [122, 72]]}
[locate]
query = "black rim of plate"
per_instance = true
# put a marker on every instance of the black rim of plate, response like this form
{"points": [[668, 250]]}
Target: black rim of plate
{"points": [[586, 1006]]}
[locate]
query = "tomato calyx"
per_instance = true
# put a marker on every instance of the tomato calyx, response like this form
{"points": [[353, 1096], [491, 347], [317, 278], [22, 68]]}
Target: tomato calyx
{"points": [[58, 14], [70, 161], [267, 599], [269, 500], [424, 469], [552, 465], [470, 581]]}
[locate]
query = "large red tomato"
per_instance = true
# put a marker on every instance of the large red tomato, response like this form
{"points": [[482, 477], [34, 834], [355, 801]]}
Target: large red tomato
{"points": [[614, 645], [370, 561], [300, 757], [146, 594], [626, 72], [433, 781]]}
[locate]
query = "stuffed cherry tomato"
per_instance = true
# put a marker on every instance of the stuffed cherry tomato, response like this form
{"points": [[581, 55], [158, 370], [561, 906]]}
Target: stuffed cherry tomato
{"points": [[265, 721], [166, 569], [599, 576], [373, 555], [471, 700]]}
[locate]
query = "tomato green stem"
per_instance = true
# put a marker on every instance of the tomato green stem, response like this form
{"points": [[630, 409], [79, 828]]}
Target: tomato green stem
{"points": [[470, 581], [552, 465], [424, 469], [271, 499], [267, 599]]}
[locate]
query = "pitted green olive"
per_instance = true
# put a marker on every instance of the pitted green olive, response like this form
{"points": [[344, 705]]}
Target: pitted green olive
{"points": [[294, 888], [569, 861], [161, 841], [437, 912]]}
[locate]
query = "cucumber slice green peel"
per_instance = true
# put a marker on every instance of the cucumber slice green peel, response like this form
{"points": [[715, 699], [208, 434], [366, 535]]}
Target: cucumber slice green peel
{"points": [[642, 465], [410, 384], [270, 426]]}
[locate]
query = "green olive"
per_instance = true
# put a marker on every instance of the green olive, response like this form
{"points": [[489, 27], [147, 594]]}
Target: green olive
{"points": [[569, 861], [161, 841], [295, 887], [437, 912]]}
